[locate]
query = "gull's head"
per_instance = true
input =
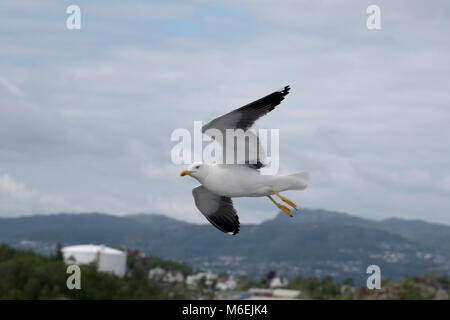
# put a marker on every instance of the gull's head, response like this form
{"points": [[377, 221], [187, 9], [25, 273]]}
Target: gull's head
{"points": [[196, 170]]}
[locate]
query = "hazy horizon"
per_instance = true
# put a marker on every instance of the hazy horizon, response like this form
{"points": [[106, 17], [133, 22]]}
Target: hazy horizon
{"points": [[204, 222]]}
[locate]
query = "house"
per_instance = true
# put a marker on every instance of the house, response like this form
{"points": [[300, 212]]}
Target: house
{"points": [[278, 282], [194, 280], [156, 273], [173, 277], [229, 283]]}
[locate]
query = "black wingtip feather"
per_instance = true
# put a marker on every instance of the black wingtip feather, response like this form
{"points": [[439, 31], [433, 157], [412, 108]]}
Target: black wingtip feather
{"points": [[285, 90], [238, 228]]}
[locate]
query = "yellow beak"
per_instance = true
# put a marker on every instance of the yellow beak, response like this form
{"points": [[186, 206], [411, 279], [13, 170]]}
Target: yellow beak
{"points": [[185, 172]]}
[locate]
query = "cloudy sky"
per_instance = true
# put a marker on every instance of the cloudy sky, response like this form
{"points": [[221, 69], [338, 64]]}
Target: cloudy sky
{"points": [[86, 115]]}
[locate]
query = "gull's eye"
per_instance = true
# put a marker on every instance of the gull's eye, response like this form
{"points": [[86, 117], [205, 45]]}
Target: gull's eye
{"points": [[197, 167]]}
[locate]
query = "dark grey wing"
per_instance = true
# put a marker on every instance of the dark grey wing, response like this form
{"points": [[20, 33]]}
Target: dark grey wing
{"points": [[243, 118], [218, 210]]}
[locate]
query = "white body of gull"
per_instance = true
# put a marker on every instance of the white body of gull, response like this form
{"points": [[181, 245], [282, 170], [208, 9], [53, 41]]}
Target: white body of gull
{"points": [[221, 182]]}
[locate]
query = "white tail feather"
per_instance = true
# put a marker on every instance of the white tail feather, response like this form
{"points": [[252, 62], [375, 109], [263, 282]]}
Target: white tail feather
{"points": [[296, 181], [299, 180]]}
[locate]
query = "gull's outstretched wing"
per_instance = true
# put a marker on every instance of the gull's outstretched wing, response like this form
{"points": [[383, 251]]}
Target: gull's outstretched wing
{"points": [[243, 118], [218, 210]]}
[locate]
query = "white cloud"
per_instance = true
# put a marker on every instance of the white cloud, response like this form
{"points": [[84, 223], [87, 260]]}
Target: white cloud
{"points": [[16, 198], [12, 88], [444, 184], [14, 189]]}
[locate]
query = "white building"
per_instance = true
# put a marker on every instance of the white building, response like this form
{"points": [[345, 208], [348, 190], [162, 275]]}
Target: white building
{"points": [[174, 276], [278, 282], [227, 284], [286, 293], [156, 273], [272, 294], [194, 279], [108, 259]]}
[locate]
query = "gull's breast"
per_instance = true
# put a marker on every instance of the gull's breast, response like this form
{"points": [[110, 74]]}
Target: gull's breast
{"points": [[237, 181]]}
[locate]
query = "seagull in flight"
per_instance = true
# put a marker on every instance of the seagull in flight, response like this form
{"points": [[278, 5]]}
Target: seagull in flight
{"points": [[222, 182]]}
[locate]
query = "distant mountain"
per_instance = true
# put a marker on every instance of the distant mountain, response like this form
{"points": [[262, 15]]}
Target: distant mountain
{"points": [[434, 235], [156, 220], [319, 216], [313, 242]]}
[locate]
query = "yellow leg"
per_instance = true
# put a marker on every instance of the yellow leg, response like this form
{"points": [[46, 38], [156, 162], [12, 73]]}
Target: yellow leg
{"points": [[289, 202], [280, 206]]}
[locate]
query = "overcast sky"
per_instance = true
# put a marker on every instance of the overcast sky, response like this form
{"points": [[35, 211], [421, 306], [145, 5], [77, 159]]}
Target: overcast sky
{"points": [[86, 115]]}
